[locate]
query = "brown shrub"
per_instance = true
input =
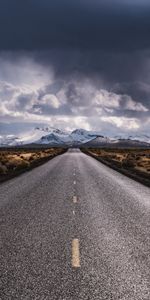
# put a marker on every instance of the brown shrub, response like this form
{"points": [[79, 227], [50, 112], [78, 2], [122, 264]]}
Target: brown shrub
{"points": [[128, 163], [138, 158], [22, 165], [31, 158], [140, 164], [3, 169], [11, 165]]}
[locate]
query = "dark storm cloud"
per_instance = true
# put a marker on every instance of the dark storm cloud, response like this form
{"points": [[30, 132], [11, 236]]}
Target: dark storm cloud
{"points": [[108, 65], [101, 38], [44, 24]]}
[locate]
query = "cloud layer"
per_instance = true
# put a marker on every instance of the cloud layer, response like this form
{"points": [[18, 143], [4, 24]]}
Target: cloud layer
{"points": [[76, 63], [71, 103]]}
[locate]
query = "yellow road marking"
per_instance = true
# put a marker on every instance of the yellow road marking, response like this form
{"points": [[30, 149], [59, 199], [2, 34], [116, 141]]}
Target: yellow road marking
{"points": [[74, 199], [75, 254]]}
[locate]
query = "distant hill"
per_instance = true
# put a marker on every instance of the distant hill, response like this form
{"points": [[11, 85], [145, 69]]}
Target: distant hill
{"points": [[49, 136], [115, 143]]}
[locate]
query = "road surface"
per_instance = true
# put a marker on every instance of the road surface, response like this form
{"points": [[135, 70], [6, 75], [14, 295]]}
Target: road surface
{"points": [[74, 229]]}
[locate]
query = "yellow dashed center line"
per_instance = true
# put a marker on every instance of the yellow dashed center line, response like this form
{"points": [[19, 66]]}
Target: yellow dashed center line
{"points": [[75, 254], [74, 199]]}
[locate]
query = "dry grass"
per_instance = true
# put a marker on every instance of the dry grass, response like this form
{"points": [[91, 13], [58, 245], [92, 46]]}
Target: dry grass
{"points": [[134, 163], [13, 162], [131, 158]]}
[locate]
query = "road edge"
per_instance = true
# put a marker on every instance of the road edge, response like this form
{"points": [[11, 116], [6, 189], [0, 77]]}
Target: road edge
{"points": [[37, 164], [123, 171]]}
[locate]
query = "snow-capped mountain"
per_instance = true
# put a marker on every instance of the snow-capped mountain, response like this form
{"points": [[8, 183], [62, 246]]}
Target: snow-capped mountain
{"points": [[33, 136], [22, 139], [55, 137], [75, 137], [142, 138], [101, 141], [115, 143], [48, 136], [82, 135]]}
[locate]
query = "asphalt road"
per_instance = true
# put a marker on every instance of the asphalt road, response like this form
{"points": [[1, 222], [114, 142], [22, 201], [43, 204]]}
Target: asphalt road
{"points": [[74, 229]]}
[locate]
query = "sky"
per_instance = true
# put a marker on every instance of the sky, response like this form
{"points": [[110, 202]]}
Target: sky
{"points": [[75, 64]]}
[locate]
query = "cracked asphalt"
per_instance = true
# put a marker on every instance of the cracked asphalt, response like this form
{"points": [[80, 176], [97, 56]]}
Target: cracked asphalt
{"points": [[74, 197]]}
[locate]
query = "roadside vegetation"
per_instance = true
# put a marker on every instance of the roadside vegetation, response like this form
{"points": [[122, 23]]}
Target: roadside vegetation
{"points": [[132, 162], [16, 161]]}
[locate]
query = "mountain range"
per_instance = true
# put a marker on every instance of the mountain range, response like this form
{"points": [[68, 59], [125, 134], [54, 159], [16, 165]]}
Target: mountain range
{"points": [[79, 137]]}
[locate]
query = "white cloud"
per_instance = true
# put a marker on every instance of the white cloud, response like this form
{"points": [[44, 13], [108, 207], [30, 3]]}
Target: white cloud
{"points": [[51, 100], [122, 122], [109, 101], [73, 104], [136, 106], [106, 99]]}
